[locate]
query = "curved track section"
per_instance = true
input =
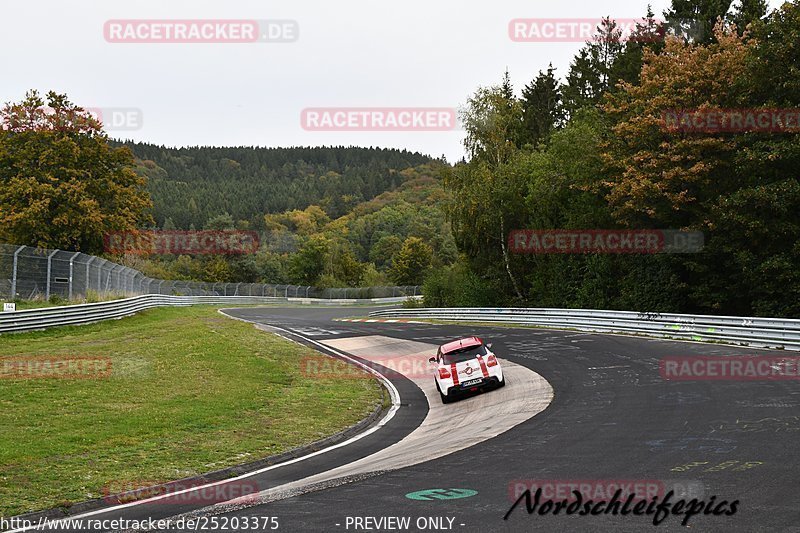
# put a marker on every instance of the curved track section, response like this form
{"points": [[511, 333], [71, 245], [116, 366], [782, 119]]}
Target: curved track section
{"points": [[612, 419], [446, 429]]}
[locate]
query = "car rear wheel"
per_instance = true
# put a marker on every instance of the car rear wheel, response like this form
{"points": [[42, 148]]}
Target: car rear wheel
{"points": [[445, 397]]}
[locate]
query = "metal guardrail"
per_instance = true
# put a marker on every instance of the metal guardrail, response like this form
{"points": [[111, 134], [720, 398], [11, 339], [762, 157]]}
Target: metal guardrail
{"points": [[750, 331], [73, 315]]}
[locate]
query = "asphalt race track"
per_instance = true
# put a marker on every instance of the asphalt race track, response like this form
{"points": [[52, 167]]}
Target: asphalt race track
{"points": [[612, 420]]}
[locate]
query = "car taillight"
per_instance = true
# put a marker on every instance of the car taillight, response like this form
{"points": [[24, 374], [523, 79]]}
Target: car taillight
{"points": [[491, 360], [444, 373]]}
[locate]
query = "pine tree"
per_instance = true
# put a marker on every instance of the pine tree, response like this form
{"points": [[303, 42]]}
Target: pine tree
{"points": [[746, 12], [591, 72], [694, 20], [542, 107]]}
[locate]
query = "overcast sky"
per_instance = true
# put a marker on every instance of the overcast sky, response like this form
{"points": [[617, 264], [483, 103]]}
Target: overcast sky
{"points": [[415, 53]]}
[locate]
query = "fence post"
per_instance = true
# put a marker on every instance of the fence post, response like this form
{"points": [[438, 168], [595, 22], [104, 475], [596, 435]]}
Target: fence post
{"points": [[49, 264], [111, 277], [100, 277], [14, 274], [108, 278], [308, 289], [86, 289], [71, 261]]}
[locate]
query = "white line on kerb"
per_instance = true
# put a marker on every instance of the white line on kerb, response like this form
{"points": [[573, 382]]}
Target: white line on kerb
{"points": [[393, 392]]}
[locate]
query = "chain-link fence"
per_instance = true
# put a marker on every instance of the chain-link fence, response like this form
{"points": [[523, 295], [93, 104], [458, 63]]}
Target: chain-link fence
{"points": [[35, 273]]}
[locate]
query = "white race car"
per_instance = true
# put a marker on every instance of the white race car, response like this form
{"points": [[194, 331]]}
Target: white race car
{"points": [[464, 366]]}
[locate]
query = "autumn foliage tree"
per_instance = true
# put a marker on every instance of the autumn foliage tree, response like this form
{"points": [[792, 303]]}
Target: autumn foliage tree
{"points": [[61, 184], [658, 176], [411, 262], [739, 188]]}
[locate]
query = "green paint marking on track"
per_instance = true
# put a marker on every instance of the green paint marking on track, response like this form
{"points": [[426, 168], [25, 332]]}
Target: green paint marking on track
{"points": [[440, 494]]}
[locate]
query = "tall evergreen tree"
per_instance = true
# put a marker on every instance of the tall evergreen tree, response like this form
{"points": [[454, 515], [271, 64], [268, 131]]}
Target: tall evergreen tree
{"points": [[694, 20], [542, 108], [591, 72], [748, 11], [648, 35]]}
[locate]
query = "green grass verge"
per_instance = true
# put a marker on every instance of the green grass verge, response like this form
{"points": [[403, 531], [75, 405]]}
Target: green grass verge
{"points": [[190, 391]]}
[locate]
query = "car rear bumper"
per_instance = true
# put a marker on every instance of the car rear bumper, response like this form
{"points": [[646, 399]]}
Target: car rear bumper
{"points": [[486, 383]]}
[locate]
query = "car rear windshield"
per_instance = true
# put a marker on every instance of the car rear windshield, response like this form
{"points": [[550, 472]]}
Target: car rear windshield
{"points": [[463, 354]]}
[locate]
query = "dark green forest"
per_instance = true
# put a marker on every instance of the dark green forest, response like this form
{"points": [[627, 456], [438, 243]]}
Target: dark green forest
{"points": [[190, 186]]}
